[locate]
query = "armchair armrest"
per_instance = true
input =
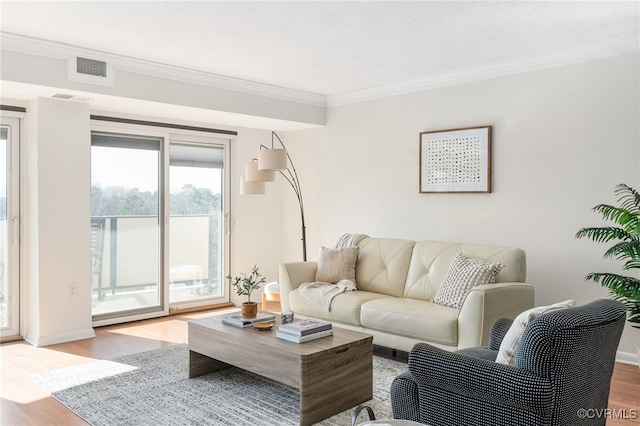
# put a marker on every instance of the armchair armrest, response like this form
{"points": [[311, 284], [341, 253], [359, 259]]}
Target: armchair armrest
{"points": [[485, 304], [498, 330], [480, 379], [291, 275]]}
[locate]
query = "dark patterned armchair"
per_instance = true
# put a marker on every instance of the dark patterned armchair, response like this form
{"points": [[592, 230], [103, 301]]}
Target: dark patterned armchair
{"points": [[561, 374]]}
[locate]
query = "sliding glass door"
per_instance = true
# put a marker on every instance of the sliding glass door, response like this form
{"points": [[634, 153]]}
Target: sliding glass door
{"points": [[159, 238], [125, 224], [9, 228], [197, 234]]}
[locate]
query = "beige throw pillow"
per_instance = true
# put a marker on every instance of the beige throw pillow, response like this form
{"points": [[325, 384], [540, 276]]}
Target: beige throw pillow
{"points": [[511, 340], [337, 264], [463, 274]]}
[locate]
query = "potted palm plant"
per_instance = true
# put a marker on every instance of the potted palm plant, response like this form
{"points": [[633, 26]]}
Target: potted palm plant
{"points": [[626, 248], [244, 285]]}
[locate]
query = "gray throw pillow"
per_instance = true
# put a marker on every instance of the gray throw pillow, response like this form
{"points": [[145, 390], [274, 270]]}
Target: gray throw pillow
{"points": [[337, 264]]}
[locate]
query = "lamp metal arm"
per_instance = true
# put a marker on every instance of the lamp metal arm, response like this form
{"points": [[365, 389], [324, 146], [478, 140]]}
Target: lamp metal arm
{"points": [[292, 179]]}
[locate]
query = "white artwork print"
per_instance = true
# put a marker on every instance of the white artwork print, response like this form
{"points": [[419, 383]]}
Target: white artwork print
{"points": [[454, 161]]}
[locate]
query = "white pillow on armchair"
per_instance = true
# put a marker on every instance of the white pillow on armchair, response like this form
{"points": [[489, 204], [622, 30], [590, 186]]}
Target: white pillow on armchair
{"points": [[511, 340]]}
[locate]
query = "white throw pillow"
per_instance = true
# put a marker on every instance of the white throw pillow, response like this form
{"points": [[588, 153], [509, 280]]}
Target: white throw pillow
{"points": [[463, 274], [512, 338]]}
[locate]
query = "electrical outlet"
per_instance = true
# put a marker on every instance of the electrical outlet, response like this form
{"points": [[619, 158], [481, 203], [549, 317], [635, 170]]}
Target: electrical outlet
{"points": [[73, 289]]}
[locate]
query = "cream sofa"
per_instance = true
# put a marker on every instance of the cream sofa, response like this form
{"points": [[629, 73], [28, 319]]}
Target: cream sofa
{"points": [[396, 282]]}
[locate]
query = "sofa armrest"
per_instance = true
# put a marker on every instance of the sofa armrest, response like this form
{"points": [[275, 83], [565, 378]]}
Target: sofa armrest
{"points": [[480, 379], [485, 304], [291, 275]]}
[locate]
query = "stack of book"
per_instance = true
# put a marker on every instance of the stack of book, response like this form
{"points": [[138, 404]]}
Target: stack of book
{"points": [[300, 331], [240, 321]]}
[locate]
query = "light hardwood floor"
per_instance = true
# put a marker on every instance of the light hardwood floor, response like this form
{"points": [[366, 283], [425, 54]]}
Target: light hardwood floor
{"points": [[23, 403]]}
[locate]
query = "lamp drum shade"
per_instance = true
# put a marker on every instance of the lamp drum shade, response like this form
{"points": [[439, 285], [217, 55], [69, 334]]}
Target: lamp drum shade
{"points": [[247, 187], [272, 159], [252, 174]]}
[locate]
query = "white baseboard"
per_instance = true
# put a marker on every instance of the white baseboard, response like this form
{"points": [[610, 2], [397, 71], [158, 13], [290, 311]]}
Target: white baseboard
{"points": [[627, 358], [59, 338]]}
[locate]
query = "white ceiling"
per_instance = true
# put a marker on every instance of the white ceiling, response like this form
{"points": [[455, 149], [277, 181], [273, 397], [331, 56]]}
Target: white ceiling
{"points": [[333, 47]]}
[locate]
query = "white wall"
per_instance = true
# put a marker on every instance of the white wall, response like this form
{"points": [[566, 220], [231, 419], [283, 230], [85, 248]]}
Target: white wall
{"points": [[56, 222], [562, 139], [257, 226]]}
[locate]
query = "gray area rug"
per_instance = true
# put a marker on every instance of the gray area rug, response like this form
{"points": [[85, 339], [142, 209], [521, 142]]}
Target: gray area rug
{"points": [[153, 388]]}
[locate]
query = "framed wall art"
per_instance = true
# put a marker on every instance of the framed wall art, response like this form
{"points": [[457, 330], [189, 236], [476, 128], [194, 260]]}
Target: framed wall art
{"points": [[457, 160]]}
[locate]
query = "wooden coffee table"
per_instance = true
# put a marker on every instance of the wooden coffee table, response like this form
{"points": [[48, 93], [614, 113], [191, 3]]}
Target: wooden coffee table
{"points": [[333, 374]]}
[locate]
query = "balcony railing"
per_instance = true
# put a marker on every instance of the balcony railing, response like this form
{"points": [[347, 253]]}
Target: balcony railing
{"points": [[125, 255]]}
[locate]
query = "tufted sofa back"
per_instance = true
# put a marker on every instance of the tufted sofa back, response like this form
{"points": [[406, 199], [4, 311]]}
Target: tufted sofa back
{"points": [[406, 268], [430, 261], [383, 264]]}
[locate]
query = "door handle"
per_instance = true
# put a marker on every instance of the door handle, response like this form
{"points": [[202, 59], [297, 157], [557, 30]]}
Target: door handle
{"points": [[16, 230]]}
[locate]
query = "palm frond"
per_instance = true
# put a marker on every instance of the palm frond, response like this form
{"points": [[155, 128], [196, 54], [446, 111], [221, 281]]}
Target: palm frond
{"points": [[604, 234], [631, 264], [629, 198], [633, 309], [619, 284], [627, 248], [629, 220], [624, 250]]}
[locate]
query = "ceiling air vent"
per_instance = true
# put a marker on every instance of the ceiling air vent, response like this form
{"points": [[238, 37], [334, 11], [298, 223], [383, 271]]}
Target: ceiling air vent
{"points": [[91, 67], [62, 96], [71, 97], [89, 70]]}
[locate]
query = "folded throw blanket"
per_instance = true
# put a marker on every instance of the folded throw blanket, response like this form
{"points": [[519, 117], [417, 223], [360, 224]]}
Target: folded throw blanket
{"points": [[321, 293], [350, 240]]}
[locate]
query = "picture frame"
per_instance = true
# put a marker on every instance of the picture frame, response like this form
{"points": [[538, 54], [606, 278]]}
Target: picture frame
{"points": [[456, 160]]}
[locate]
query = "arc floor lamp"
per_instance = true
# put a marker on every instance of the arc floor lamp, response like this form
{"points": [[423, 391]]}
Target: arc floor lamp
{"points": [[264, 168]]}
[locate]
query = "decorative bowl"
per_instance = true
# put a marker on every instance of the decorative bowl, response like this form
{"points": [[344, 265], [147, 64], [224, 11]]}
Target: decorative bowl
{"points": [[263, 326]]}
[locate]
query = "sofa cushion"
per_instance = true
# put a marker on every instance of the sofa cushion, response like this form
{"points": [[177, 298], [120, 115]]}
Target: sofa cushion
{"points": [[383, 264], [337, 264], [345, 307], [418, 319], [463, 274], [512, 338]]}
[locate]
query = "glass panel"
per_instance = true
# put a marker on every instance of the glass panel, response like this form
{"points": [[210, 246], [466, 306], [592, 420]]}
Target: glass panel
{"points": [[125, 224], [195, 230], [5, 294], [9, 226]]}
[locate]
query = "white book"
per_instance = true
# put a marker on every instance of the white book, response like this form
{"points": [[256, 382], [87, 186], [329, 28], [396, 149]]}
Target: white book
{"points": [[239, 321], [304, 327], [301, 339]]}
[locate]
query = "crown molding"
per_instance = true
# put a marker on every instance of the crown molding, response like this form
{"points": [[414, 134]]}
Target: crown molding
{"points": [[483, 73], [62, 51], [36, 46]]}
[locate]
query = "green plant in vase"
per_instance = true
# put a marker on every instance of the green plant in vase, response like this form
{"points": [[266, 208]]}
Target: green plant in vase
{"points": [[626, 248], [245, 285]]}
